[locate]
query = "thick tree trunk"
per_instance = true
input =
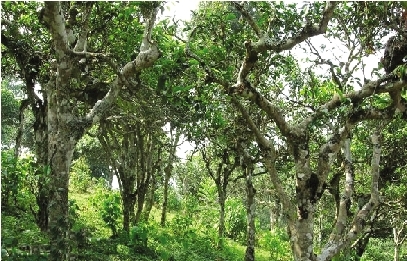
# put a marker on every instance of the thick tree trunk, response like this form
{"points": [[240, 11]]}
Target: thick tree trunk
{"points": [[41, 148], [61, 152], [302, 243], [250, 211]]}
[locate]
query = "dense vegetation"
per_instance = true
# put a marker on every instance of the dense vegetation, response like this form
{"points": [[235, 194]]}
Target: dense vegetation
{"points": [[298, 140]]}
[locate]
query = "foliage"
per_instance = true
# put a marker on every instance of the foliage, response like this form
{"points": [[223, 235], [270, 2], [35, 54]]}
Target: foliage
{"points": [[245, 68], [235, 217], [9, 117], [18, 182], [108, 203], [276, 242], [80, 175]]}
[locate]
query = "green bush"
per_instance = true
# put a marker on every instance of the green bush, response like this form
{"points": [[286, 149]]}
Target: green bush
{"points": [[277, 242], [138, 237], [108, 203], [235, 217], [18, 182]]}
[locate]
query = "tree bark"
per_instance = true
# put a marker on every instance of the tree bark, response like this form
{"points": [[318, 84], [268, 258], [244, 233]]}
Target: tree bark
{"points": [[61, 146], [129, 202], [250, 211], [221, 229], [168, 173], [141, 198], [150, 199], [41, 151]]}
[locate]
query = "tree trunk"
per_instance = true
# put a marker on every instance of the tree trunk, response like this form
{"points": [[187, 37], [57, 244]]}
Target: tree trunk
{"points": [[141, 198], [250, 210], [302, 243], [275, 213], [361, 245], [61, 152], [150, 199], [396, 253], [167, 171], [221, 229], [42, 201], [397, 245], [41, 151], [128, 211]]}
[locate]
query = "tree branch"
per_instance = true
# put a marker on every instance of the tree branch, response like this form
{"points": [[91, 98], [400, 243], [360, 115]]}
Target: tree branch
{"points": [[383, 85], [144, 59], [82, 39], [248, 18], [56, 24], [265, 43], [334, 246]]}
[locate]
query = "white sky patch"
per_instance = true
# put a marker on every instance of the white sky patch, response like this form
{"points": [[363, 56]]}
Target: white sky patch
{"points": [[179, 10]]}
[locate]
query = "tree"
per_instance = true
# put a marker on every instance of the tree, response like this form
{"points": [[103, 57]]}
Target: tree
{"points": [[133, 147], [303, 127], [71, 39], [174, 139]]}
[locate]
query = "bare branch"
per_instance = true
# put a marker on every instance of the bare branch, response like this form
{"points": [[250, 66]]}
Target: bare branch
{"points": [[348, 191], [268, 145], [328, 151]]}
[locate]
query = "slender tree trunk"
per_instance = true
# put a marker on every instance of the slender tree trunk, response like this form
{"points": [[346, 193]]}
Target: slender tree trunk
{"points": [[361, 246], [396, 253], [396, 256], [150, 199], [168, 172], [250, 211], [274, 213], [167, 176], [42, 202], [221, 229], [141, 198]]}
